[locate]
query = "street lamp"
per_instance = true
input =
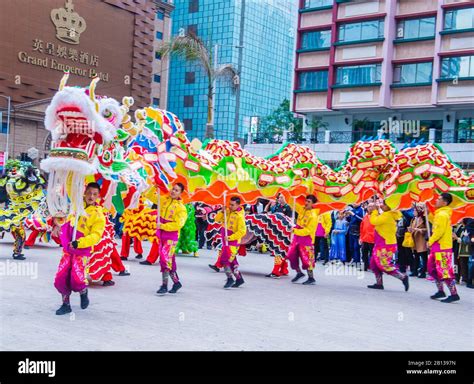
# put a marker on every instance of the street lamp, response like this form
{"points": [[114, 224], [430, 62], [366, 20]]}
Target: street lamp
{"points": [[9, 99]]}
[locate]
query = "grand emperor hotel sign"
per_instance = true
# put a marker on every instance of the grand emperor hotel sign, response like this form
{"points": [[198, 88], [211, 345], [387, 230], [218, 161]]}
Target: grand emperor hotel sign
{"points": [[64, 54]]}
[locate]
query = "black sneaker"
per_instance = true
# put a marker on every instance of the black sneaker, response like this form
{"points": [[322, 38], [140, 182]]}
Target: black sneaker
{"points": [[405, 283], [230, 282], [438, 295], [214, 268], [422, 276], [124, 273], [139, 256], [19, 256], [451, 299], [123, 258], [298, 276], [310, 281], [26, 247], [375, 286], [175, 287], [163, 289], [238, 282], [85, 300], [145, 262], [108, 283], [273, 276], [63, 309]]}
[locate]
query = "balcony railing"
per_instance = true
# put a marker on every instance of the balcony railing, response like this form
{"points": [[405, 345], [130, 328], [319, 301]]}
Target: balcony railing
{"points": [[432, 135]]}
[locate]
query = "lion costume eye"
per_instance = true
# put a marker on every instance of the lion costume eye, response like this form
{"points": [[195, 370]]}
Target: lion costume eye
{"points": [[107, 114]]}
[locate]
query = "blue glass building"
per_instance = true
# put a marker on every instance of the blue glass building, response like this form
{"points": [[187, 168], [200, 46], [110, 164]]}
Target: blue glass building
{"points": [[257, 36]]}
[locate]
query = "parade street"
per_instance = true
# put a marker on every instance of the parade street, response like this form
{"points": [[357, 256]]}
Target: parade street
{"points": [[339, 313]]}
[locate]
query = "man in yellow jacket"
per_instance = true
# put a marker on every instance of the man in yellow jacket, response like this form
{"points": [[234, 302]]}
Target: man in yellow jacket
{"points": [[302, 244], [440, 265], [173, 216], [236, 229], [385, 244], [70, 276]]}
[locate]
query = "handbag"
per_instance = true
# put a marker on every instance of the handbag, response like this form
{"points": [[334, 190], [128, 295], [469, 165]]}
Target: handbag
{"points": [[408, 241]]}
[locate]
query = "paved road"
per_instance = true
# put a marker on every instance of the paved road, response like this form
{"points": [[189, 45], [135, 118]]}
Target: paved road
{"points": [[339, 313]]}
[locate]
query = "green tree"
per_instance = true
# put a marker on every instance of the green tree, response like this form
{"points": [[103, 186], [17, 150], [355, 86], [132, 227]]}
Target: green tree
{"points": [[192, 48], [272, 126]]}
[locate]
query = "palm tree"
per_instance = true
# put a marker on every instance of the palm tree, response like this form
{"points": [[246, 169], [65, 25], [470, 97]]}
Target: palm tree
{"points": [[192, 48]]}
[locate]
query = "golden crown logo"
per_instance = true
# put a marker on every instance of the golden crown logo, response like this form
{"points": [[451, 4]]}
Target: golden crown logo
{"points": [[69, 25]]}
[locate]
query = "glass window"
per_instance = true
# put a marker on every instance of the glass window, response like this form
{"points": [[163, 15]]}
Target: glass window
{"points": [[193, 6], [159, 35], [464, 132], [316, 39], [157, 78], [188, 124], [190, 78], [160, 15], [415, 28], [315, 80], [459, 19], [157, 56], [359, 74], [361, 31], [427, 27], [413, 73], [189, 101], [156, 102], [316, 3], [461, 66]]}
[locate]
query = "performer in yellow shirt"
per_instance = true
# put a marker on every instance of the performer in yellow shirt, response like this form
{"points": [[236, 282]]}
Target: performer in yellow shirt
{"points": [[385, 247], [302, 245], [90, 228], [173, 215], [440, 266], [236, 229]]}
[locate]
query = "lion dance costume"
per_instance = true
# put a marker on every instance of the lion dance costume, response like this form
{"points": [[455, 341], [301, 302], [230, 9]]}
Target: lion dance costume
{"points": [[23, 194]]}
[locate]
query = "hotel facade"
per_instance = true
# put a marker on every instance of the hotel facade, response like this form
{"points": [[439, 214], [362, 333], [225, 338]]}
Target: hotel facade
{"points": [[113, 39], [362, 64]]}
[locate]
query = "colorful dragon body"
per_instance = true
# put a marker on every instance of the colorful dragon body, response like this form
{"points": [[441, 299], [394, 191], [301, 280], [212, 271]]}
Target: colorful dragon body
{"points": [[23, 192], [153, 151]]}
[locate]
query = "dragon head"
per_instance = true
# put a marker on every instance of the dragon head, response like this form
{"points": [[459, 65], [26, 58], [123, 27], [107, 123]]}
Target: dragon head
{"points": [[82, 127]]}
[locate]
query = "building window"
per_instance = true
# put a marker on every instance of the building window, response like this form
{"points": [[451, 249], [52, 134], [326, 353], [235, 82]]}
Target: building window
{"points": [[193, 29], [157, 55], [193, 6], [189, 101], [416, 28], [156, 102], [464, 131], [365, 30], [188, 124], [190, 78], [413, 73], [313, 81], [359, 74], [316, 39], [316, 3], [3, 127], [157, 78], [160, 15], [159, 35], [457, 67], [458, 19]]}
